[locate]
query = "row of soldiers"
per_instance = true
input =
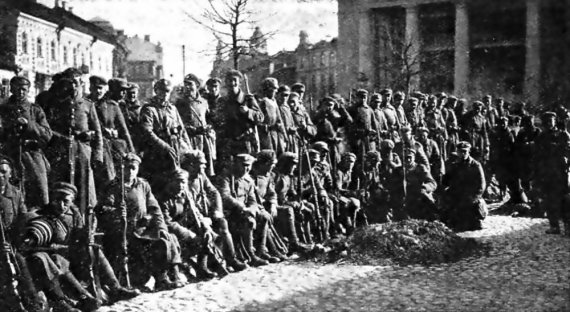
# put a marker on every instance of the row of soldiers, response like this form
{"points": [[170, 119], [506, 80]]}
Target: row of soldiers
{"points": [[211, 183]]}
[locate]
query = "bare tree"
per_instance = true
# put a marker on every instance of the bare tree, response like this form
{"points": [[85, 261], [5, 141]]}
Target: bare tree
{"points": [[403, 63], [228, 20]]}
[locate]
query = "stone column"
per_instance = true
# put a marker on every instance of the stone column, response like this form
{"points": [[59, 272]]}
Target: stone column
{"points": [[365, 54], [412, 47], [461, 68], [532, 59]]}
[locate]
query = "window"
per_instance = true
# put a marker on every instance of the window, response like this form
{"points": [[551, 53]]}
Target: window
{"points": [[65, 56], [24, 43], [91, 60], [82, 58], [323, 61], [53, 51], [151, 69], [39, 48], [100, 64], [74, 57]]}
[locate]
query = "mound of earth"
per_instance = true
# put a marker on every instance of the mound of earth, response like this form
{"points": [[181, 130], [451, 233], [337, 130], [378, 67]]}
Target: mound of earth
{"points": [[405, 243]]}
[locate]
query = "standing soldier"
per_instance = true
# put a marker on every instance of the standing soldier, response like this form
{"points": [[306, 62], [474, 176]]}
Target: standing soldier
{"points": [[408, 141], [151, 249], [209, 202], [286, 117], [131, 109], [216, 113], [524, 159], [464, 184], [475, 131], [436, 162], [490, 112], [381, 123], [413, 113], [240, 205], [299, 88], [324, 120], [24, 133], [116, 138], [304, 126], [435, 122], [391, 115], [164, 137], [241, 116], [194, 111], [399, 98], [271, 130], [364, 125], [551, 170], [501, 158], [452, 125], [77, 143]]}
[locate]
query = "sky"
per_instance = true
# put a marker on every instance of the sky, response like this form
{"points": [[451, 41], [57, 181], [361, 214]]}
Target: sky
{"points": [[168, 21]]}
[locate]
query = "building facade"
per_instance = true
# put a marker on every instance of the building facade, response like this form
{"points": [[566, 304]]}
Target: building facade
{"points": [[144, 63], [39, 41], [515, 49]]}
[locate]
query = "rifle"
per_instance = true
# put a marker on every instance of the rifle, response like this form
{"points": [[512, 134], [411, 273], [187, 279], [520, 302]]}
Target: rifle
{"points": [[318, 217], [124, 228], [210, 246], [256, 143], [70, 153], [10, 269], [302, 232], [21, 164], [94, 285]]}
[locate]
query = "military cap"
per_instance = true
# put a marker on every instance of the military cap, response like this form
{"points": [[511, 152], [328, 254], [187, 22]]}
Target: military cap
{"points": [[338, 98], [321, 146], [349, 156], [328, 100], [270, 82], [178, 174], [5, 160], [298, 87], [464, 145], [244, 158], [441, 95], [163, 84], [478, 104], [132, 86], [361, 92], [413, 99], [418, 95], [19, 81], [284, 88], [72, 72], [131, 157], [406, 129], [410, 151], [213, 81], [387, 145], [432, 97], [548, 115], [97, 81], [504, 118], [56, 77], [488, 96], [373, 155], [500, 99], [191, 77], [375, 97], [192, 158], [313, 152], [386, 91], [65, 188], [399, 94], [266, 156], [289, 157], [516, 119], [462, 100], [452, 98], [234, 73], [422, 129], [294, 95], [118, 84]]}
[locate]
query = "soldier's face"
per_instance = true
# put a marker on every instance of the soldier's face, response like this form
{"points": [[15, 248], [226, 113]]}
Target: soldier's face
{"points": [[232, 83], [407, 136], [550, 123], [398, 101], [214, 88], [349, 164], [196, 169], [410, 160], [122, 93], [487, 101], [5, 174], [431, 103], [291, 169], [386, 99], [61, 202], [375, 103], [293, 103], [77, 85], [362, 99], [413, 104], [190, 87], [463, 154], [179, 185], [282, 97], [270, 92], [477, 108], [452, 103], [243, 169], [423, 136], [132, 95], [131, 170], [97, 91], [162, 93], [20, 92]]}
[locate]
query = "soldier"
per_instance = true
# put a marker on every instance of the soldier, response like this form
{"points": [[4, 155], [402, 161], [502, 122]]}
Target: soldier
{"points": [[24, 134], [490, 112], [164, 136], [291, 211], [524, 152], [398, 102], [271, 247], [131, 109], [325, 121], [76, 145], [46, 98], [12, 208], [501, 156], [271, 130], [364, 126], [435, 122], [383, 202], [460, 110], [386, 98], [413, 113], [305, 128], [286, 117], [194, 111], [209, 202], [151, 249], [391, 115], [299, 88], [193, 230], [451, 123], [475, 131], [408, 141], [464, 184], [55, 242], [313, 190], [381, 123], [350, 212], [436, 162], [551, 175], [116, 138], [240, 205], [215, 115], [419, 187]]}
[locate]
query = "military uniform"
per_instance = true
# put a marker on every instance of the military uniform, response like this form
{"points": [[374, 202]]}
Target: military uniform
{"points": [[438, 129], [435, 159], [131, 113], [33, 139], [420, 185], [304, 125], [475, 131], [271, 130], [363, 129]]}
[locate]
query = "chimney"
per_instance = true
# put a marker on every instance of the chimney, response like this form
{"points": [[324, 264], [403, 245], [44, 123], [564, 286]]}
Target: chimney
{"points": [[147, 38], [64, 5], [57, 4], [70, 10], [120, 32]]}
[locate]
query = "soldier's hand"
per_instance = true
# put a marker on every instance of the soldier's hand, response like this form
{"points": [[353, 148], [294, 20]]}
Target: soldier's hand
{"points": [[6, 247], [164, 234], [273, 211], [22, 121], [123, 207], [243, 109], [372, 132]]}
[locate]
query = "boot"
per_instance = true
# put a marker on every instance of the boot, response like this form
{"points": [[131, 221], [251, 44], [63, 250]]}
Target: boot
{"points": [[88, 303], [62, 305], [268, 258], [300, 248], [237, 265], [256, 261], [118, 293], [175, 273], [163, 282], [202, 271]]}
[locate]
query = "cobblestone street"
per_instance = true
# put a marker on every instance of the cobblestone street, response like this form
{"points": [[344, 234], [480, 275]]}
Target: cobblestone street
{"points": [[526, 270]]}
